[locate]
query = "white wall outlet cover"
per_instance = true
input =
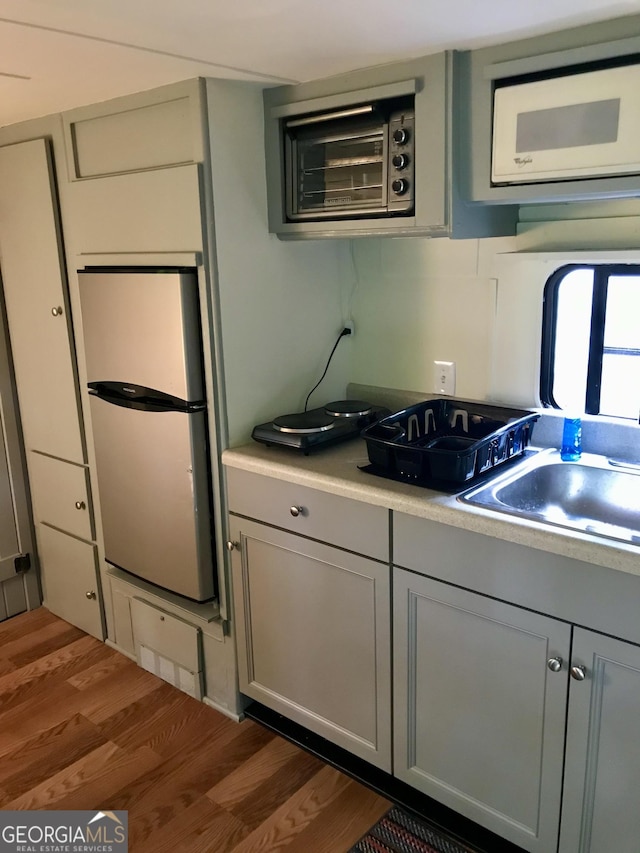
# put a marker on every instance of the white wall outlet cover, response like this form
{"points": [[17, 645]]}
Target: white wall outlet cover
{"points": [[444, 377]]}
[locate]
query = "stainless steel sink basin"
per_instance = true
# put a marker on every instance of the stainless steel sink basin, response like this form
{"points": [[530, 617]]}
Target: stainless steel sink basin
{"points": [[592, 495]]}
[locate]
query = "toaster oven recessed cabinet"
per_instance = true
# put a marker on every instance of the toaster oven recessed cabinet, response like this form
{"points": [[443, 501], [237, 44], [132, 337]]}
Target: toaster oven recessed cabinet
{"points": [[375, 152], [578, 126], [351, 162]]}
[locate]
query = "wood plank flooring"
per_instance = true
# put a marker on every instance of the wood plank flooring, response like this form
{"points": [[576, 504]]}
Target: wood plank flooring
{"points": [[83, 727]]}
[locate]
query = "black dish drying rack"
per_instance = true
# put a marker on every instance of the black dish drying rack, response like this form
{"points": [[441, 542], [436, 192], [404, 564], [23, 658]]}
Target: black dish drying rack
{"points": [[444, 440]]}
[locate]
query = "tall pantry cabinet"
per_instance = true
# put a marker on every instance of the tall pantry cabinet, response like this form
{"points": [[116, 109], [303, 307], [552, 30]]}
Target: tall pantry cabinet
{"points": [[41, 338]]}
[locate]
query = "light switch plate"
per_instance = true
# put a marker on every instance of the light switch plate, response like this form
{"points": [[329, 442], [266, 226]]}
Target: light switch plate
{"points": [[444, 377]]}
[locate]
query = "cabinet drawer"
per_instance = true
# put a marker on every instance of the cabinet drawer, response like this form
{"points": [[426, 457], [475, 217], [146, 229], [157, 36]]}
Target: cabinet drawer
{"points": [[343, 522], [60, 495]]}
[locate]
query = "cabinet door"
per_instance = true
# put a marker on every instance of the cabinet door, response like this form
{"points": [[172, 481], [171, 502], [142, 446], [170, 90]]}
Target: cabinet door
{"points": [[479, 712], [60, 495], [69, 579], [314, 636], [602, 775], [37, 311]]}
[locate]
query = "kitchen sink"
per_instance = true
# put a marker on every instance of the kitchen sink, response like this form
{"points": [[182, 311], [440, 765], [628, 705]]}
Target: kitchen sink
{"points": [[593, 495]]}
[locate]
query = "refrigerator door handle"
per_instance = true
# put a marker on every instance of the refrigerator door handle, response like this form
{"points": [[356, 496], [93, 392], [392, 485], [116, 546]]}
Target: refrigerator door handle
{"points": [[140, 397]]}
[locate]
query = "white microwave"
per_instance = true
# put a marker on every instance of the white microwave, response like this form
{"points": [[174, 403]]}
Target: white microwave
{"points": [[583, 125]]}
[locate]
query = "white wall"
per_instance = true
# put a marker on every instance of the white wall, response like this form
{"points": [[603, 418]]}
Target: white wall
{"points": [[477, 303], [420, 300], [281, 303]]}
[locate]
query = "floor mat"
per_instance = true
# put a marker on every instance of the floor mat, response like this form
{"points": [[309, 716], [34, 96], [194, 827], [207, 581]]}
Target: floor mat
{"points": [[400, 832]]}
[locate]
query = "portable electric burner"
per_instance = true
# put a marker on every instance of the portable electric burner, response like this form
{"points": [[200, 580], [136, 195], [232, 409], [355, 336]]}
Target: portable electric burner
{"points": [[317, 428]]}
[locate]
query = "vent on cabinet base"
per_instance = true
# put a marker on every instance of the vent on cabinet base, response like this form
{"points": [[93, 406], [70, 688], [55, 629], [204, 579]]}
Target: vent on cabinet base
{"points": [[171, 672]]}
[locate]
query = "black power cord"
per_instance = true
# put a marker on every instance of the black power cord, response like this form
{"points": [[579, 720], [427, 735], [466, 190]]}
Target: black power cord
{"points": [[343, 333]]}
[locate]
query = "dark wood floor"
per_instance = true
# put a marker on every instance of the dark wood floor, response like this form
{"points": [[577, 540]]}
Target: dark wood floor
{"points": [[83, 727]]}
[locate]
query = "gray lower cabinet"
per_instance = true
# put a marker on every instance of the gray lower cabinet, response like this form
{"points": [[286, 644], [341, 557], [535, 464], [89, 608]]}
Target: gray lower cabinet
{"points": [[70, 584], [479, 712], [313, 635], [508, 712], [602, 775], [506, 715]]}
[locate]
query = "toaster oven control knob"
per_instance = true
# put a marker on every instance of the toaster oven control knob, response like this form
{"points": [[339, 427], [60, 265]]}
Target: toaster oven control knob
{"points": [[400, 135], [400, 186], [400, 161]]}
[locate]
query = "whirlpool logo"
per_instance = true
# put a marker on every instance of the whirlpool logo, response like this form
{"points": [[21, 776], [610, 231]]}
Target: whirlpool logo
{"points": [[64, 832]]}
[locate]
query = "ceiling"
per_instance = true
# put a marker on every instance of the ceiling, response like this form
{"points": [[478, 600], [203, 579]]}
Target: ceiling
{"points": [[60, 54]]}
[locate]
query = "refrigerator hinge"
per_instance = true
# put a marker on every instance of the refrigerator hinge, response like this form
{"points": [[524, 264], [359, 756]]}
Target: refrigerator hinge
{"points": [[22, 563]]}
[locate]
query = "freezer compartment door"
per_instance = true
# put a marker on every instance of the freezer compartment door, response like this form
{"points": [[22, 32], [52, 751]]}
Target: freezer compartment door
{"points": [[153, 485], [143, 327]]}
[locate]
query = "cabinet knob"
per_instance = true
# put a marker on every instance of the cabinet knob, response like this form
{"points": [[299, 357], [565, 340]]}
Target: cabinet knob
{"points": [[296, 511], [91, 595], [231, 546], [57, 311], [579, 673], [81, 505], [555, 664]]}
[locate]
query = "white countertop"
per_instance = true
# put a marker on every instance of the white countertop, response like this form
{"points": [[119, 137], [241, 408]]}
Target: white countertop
{"points": [[336, 470]]}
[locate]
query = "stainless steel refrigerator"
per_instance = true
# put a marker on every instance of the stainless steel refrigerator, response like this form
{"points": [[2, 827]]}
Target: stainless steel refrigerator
{"points": [[143, 347]]}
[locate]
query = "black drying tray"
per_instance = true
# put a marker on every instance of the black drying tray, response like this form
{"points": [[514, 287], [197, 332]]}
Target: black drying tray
{"points": [[447, 440]]}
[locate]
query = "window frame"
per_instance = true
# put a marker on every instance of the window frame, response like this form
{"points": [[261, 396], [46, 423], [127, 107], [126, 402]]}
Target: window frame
{"points": [[602, 272]]}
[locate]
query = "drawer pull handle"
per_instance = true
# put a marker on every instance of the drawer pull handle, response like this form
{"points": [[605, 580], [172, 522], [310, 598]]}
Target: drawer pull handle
{"points": [[579, 673], [555, 664], [91, 595], [296, 511], [81, 505], [231, 546], [57, 311]]}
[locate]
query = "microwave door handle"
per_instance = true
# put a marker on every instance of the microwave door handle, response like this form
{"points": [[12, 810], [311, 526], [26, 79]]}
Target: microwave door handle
{"points": [[307, 120]]}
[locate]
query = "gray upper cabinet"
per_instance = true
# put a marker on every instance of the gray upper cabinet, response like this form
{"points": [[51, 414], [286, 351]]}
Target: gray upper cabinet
{"points": [[438, 85], [551, 56]]}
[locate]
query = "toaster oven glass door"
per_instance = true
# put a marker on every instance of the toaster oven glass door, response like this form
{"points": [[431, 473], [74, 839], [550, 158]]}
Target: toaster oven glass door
{"points": [[340, 173]]}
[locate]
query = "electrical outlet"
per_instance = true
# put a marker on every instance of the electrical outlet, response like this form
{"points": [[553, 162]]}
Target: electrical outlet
{"points": [[349, 325], [444, 377]]}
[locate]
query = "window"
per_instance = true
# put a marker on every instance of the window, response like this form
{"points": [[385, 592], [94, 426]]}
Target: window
{"points": [[591, 340]]}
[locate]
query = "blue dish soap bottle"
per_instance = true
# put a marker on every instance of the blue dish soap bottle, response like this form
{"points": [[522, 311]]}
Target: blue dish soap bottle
{"points": [[571, 448]]}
